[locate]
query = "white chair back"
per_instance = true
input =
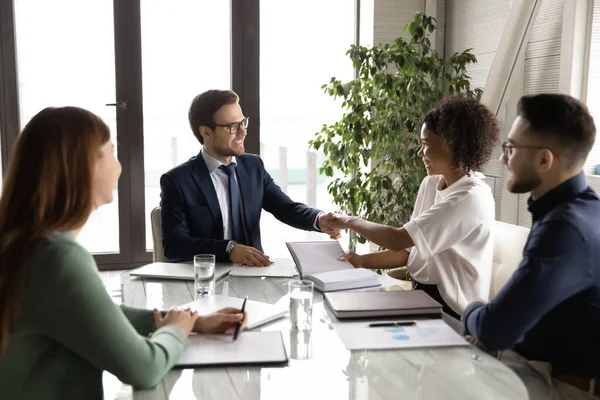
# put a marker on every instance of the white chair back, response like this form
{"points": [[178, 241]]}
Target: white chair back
{"points": [[509, 241]]}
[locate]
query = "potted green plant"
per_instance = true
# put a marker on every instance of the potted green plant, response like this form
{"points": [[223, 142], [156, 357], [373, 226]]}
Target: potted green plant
{"points": [[371, 152]]}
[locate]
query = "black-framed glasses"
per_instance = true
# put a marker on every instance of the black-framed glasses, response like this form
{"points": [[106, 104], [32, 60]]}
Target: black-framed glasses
{"points": [[507, 148], [235, 127]]}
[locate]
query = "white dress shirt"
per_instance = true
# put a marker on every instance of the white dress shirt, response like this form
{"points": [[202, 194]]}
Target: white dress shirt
{"points": [[220, 180]]}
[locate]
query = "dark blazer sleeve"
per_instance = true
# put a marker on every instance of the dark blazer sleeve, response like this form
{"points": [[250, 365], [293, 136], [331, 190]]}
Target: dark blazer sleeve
{"points": [[176, 239], [292, 213]]}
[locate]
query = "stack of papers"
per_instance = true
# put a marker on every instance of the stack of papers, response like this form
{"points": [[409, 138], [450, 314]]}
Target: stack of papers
{"points": [[345, 279]]}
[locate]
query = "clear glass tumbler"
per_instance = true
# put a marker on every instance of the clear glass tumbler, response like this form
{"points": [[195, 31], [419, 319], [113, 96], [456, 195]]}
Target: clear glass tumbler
{"points": [[204, 275], [300, 344], [301, 302]]}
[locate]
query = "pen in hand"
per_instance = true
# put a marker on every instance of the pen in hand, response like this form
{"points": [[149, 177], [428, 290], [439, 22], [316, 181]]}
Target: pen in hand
{"points": [[237, 328], [398, 323]]}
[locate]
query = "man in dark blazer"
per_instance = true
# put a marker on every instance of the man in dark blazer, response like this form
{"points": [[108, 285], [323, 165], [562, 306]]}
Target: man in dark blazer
{"points": [[212, 203]]}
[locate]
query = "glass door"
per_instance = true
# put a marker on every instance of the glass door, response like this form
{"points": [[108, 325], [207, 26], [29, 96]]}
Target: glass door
{"points": [[66, 57], [186, 50]]}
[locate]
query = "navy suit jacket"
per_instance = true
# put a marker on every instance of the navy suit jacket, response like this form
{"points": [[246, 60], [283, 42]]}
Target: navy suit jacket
{"points": [[190, 214]]}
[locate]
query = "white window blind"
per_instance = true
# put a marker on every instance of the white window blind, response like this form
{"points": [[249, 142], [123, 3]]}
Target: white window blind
{"points": [[592, 86], [478, 25], [542, 67]]}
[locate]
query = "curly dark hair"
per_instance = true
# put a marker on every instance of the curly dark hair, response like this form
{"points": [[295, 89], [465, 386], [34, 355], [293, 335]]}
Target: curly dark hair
{"points": [[469, 128]]}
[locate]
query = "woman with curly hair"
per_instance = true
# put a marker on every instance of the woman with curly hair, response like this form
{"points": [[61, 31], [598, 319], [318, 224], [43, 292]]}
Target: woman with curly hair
{"points": [[447, 246]]}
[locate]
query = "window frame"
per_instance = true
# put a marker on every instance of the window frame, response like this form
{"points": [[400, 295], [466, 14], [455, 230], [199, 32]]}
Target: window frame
{"points": [[245, 74]]}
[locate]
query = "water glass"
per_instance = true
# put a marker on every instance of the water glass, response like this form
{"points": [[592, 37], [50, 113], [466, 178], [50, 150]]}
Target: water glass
{"points": [[300, 344], [204, 275], [301, 302]]}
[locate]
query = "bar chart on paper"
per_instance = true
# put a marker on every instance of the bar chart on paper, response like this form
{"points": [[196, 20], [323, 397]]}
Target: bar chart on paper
{"points": [[425, 333]]}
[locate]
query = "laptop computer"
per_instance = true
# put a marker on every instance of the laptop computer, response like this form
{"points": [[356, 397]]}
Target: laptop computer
{"points": [[401, 303], [179, 271]]}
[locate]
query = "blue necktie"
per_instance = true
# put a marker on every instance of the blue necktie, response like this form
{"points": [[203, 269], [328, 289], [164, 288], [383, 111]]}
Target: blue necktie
{"points": [[234, 204]]}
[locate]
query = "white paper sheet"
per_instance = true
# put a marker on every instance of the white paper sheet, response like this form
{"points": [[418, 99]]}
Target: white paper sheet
{"points": [[259, 313], [249, 348], [426, 333], [281, 267]]}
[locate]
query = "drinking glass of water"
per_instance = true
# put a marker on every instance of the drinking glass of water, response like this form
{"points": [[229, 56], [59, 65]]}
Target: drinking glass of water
{"points": [[204, 275], [300, 344], [301, 301]]}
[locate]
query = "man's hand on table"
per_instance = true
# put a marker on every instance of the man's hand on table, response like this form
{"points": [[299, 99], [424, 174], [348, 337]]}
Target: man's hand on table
{"points": [[248, 255]]}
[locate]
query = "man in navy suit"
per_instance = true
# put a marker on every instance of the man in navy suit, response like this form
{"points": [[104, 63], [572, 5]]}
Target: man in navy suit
{"points": [[212, 203]]}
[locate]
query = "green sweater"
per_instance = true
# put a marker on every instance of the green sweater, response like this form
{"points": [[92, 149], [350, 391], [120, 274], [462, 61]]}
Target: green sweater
{"points": [[70, 330]]}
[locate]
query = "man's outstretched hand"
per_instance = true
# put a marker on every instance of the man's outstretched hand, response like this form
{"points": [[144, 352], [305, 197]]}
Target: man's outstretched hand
{"points": [[325, 224]]}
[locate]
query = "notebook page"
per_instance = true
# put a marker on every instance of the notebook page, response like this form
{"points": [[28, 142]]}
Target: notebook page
{"points": [[314, 257], [259, 313]]}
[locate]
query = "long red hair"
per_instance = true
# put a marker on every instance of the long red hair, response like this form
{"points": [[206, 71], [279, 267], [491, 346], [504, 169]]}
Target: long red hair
{"points": [[48, 187]]}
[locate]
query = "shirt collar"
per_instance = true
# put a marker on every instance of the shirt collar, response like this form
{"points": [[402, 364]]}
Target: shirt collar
{"points": [[560, 194], [212, 163], [459, 184]]}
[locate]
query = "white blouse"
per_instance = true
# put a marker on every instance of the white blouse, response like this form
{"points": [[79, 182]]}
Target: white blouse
{"points": [[452, 230]]}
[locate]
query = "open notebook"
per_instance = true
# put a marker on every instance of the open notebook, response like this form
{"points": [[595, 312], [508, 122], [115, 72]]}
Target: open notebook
{"points": [[319, 262], [259, 313]]}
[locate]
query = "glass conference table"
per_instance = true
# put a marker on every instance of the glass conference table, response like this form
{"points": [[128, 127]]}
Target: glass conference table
{"points": [[320, 367]]}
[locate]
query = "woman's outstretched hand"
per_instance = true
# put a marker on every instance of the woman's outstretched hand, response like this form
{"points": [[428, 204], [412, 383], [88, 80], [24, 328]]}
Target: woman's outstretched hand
{"points": [[354, 259]]}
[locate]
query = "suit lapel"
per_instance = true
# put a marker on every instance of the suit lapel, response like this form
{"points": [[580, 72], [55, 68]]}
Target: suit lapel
{"points": [[245, 185], [205, 185]]}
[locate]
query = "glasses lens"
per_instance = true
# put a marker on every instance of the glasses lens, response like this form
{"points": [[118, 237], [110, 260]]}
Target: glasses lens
{"points": [[236, 127]]}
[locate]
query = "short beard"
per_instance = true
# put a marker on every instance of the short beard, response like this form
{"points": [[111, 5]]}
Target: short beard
{"points": [[228, 152], [524, 184]]}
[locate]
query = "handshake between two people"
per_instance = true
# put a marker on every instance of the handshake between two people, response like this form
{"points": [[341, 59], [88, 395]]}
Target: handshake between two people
{"points": [[251, 257]]}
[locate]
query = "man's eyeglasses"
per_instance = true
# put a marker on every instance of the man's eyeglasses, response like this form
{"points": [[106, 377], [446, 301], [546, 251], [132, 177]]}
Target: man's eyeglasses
{"points": [[507, 148], [235, 127]]}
